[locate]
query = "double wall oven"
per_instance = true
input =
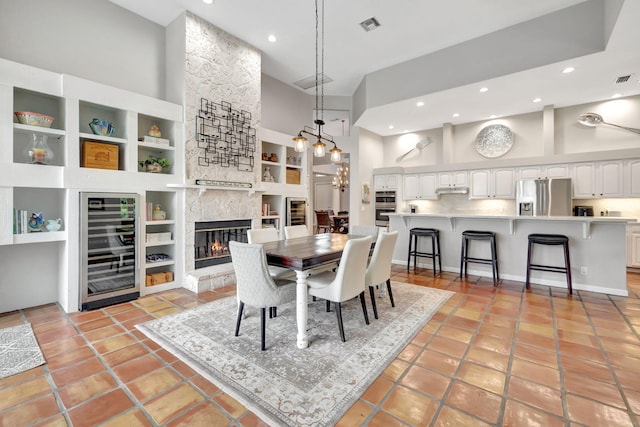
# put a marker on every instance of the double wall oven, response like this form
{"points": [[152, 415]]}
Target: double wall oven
{"points": [[385, 204]]}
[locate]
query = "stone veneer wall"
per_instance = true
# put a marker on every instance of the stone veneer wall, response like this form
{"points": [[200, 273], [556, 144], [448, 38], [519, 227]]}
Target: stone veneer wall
{"points": [[219, 67]]}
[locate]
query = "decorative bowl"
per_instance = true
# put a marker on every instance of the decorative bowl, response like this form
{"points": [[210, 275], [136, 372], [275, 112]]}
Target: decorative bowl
{"points": [[34, 119], [102, 127]]}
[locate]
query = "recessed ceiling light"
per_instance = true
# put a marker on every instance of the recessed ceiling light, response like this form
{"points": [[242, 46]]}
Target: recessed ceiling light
{"points": [[419, 103], [456, 115], [616, 95], [272, 38], [390, 126], [484, 89], [537, 99], [207, 1], [493, 116], [406, 131], [568, 70]]}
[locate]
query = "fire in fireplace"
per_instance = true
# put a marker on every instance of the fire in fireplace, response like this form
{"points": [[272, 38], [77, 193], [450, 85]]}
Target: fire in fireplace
{"points": [[212, 238]]}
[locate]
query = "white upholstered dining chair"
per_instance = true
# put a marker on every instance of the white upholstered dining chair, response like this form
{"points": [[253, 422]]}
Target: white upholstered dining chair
{"points": [[347, 282], [270, 234], [294, 231], [379, 269], [255, 286]]}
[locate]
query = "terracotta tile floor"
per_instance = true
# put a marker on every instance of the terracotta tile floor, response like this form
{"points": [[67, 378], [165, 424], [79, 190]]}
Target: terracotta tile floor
{"points": [[490, 356]]}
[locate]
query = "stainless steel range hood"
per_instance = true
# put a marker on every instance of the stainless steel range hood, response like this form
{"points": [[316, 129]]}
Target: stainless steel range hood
{"points": [[452, 190]]}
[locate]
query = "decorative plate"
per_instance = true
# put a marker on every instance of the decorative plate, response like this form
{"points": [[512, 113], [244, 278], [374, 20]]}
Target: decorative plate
{"points": [[494, 141]]}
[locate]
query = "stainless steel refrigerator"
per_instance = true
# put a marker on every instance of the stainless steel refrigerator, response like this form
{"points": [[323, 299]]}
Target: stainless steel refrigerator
{"points": [[544, 197]]}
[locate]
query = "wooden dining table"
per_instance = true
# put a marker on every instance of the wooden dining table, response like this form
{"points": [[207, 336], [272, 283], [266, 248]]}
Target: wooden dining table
{"points": [[303, 254]]}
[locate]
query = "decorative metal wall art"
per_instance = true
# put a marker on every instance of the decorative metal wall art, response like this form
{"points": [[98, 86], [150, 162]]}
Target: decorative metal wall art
{"points": [[226, 136], [494, 141]]}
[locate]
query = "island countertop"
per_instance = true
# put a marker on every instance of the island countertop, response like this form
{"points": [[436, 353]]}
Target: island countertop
{"points": [[586, 221], [597, 245]]}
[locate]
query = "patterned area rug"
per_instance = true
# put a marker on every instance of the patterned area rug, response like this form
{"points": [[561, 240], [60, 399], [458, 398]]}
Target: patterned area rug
{"points": [[19, 350], [284, 385]]}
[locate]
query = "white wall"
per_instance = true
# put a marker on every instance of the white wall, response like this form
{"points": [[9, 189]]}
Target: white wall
{"points": [[371, 156], [95, 40]]}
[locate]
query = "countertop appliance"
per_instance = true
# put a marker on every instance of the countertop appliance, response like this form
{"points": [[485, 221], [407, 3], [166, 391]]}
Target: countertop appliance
{"points": [[583, 211], [544, 197], [385, 204]]}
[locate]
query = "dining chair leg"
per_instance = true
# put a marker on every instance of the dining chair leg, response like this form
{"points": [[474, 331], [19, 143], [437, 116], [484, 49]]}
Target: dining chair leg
{"points": [[263, 321], [340, 325], [364, 308], [328, 306], [390, 293], [373, 302], [240, 309], [275, 311]]}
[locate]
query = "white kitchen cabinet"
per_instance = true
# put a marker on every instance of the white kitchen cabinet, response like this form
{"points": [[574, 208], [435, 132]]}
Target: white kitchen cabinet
{"points": [[633, 245], [492, 183], [385, 182], [633, 185], [598, 179], [419, 187], [539, 172], [452, 179]]}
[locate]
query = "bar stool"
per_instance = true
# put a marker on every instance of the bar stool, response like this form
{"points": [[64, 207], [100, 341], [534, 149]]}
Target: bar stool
{"points": [[549, 240], [414, 234], [489, 236]]}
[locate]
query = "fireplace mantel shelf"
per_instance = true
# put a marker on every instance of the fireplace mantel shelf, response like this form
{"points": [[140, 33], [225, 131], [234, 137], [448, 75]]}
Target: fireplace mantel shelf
{"points": [[204, 188]]}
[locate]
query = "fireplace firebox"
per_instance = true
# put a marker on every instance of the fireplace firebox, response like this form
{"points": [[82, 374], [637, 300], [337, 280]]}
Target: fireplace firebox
{"points": [[212, 238]]}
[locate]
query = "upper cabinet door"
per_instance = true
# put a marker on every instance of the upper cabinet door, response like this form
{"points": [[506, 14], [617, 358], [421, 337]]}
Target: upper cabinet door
{"points": [[634, 178], [610, 179], [584, 182], [385, 182], [504, 184], [479, 184]]}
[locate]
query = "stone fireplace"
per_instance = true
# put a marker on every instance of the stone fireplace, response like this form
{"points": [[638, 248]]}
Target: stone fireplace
{"points": [[212, 239]]}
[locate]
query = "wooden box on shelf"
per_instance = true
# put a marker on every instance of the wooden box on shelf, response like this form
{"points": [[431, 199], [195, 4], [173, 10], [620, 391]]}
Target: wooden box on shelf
{"points": [[159, 278], [293, 176], [99, 155]]}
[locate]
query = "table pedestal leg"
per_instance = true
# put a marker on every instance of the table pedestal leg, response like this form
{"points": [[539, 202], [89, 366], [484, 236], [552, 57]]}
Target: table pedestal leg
{"points": [[301, 308]]}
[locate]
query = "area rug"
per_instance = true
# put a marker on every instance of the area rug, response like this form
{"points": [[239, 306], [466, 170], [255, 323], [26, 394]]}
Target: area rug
{"points": [[19, 350], [284, 385]]}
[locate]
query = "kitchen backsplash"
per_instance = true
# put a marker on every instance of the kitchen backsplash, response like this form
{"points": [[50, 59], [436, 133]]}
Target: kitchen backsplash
{"points": [[460, 204]]}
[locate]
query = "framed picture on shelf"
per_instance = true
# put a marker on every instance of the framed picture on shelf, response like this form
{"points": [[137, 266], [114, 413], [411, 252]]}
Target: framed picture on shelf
{"points": [[366, 193]]}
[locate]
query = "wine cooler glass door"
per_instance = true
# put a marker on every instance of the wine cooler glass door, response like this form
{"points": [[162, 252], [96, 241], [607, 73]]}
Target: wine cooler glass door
{"points": [[109, 249]]}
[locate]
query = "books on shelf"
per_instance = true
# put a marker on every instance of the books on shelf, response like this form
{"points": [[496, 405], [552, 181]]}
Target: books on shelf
{"points": [[155, 140], [20, 221]]}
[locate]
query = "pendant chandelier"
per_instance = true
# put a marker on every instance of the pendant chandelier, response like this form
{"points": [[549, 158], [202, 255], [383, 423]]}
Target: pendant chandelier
{"points": [[341, 180], [300, 141]]}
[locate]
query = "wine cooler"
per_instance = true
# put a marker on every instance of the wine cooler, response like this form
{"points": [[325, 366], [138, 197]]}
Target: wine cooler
{"points": [[108, 249]]}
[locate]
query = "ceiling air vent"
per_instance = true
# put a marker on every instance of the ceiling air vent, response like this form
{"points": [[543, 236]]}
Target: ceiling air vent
{"points": [[623, 79], [370, 24], [310, 82]]}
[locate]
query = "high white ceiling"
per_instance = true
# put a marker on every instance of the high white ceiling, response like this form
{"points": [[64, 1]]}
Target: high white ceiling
{"points": [[410, 29]]}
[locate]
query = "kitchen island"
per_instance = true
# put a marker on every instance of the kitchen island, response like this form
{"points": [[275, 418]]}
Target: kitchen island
{"points": [[597, 246]]}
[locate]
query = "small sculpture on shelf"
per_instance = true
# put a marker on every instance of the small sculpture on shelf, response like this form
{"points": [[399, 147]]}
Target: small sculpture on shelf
{"points": [[158, 214], [273, 157], [102, 127], [36, 222], [265, 156], [54, 224], [266, 176], [154, 131]]}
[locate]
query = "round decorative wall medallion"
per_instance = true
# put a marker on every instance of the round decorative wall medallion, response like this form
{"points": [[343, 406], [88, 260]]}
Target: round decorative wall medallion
{"points": [[494, 141]]}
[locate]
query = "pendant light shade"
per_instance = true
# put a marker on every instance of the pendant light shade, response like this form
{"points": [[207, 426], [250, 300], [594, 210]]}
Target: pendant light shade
{"points": [[319, 148], [300, 143]]}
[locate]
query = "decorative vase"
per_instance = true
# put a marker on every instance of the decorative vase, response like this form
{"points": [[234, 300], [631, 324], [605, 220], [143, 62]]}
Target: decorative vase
{"points": [[38, 152]]}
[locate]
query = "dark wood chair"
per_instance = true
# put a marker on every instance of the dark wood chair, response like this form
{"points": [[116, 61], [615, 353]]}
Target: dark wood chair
{"points": [[324, 222]]}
